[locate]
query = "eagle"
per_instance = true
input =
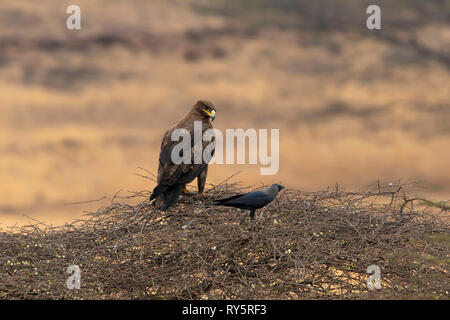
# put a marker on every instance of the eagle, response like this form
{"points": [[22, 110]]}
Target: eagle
{"points": [[173, 177]]}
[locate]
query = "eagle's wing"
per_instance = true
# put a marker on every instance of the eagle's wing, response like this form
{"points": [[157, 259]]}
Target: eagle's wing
{"points": [[170, 173]]}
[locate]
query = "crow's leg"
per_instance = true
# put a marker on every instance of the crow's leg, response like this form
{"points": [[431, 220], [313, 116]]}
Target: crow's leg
{"points": [[252, 214]]}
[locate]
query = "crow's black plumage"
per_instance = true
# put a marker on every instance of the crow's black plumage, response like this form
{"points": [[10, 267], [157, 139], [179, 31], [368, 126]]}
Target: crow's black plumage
{"points": [[252, 200]]}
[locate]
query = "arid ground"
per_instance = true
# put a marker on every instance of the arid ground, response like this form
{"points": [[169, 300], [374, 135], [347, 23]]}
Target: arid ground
{"points": [[82, 110]]}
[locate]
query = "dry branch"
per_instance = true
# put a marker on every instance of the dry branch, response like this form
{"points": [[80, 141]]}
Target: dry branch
{"points": [[304, 245]]}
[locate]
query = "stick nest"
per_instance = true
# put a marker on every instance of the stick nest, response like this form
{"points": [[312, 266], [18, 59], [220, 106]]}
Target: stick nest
{"points": [[314, 245]]}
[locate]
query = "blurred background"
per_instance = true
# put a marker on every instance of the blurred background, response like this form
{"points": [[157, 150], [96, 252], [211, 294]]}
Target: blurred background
{"points": [[82, 110]]}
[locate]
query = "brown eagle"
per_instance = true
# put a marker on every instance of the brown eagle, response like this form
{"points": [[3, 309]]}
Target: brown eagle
{"points": [[172, 177]]}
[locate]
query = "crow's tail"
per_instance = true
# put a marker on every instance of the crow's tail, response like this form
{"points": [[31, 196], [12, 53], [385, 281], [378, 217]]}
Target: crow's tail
{"points": [[226, 200]]}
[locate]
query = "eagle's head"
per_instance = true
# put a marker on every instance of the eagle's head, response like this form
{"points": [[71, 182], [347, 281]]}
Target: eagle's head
{"points": [[206, 109]]}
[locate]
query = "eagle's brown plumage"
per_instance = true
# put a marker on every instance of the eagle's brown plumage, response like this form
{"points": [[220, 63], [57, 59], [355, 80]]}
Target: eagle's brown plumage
{"points": [[172, 178]]}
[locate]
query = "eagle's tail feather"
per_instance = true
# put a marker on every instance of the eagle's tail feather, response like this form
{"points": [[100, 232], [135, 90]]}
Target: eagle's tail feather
{"points": [[159, 189], [172, 195], [169, 194]]}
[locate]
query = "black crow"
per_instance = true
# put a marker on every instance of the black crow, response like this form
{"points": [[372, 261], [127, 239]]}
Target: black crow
{"points": [[252, 200]]}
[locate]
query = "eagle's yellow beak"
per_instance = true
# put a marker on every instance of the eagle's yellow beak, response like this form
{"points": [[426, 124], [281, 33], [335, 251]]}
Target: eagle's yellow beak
{"points": [[211, 114]]}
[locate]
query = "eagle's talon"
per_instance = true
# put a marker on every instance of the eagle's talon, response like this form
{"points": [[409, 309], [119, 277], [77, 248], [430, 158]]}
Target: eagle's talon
{"points": [[200, 196], [186, 192]]}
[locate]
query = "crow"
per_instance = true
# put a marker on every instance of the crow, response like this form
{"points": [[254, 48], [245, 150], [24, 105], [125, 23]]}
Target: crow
{"points": [[252, 200]]}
